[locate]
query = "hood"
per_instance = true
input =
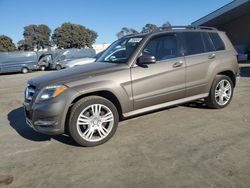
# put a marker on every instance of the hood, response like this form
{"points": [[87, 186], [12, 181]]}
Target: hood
{"points": [[81, 61], [79, 72]]}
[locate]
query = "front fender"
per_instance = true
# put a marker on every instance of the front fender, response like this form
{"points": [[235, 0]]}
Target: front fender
{"points": [[121, 91]]}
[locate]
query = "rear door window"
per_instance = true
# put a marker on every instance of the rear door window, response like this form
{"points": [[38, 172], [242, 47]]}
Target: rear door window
{"points": [[218, 43], [193, 43], [209, 47]]}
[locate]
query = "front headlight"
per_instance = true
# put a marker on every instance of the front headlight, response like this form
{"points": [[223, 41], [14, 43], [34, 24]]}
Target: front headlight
{"points": [[51, 92]]}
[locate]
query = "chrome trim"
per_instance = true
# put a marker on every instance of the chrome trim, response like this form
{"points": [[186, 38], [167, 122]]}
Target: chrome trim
{"points": [[28, 121], [163, 105], [29, 93]]}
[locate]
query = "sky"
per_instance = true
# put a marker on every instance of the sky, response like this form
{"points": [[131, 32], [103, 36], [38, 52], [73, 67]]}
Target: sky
{"points": [[106, 17]]}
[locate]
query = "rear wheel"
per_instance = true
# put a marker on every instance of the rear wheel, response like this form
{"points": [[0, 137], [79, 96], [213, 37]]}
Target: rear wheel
{"points": [[25, 70], [221, 92], [58, 67], [93, 121]]}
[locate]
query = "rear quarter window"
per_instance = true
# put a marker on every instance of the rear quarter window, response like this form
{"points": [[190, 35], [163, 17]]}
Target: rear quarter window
{"points": [[217, 42], [209, 47]]}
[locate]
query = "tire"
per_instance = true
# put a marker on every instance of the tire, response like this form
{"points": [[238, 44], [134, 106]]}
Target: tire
{"points": [[220, 98], [42, 68], [86, 128], [58, 67], [25, 70]]}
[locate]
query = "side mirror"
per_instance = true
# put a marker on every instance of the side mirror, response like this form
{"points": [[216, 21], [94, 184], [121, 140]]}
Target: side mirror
{"points": [[146, 59]]}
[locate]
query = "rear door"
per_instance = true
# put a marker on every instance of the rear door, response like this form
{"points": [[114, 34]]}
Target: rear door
{"points": [[199, 56], [163, 81]]}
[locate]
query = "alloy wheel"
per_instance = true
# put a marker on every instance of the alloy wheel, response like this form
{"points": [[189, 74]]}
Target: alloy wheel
{"points": [[223, 92], [95, 122]]}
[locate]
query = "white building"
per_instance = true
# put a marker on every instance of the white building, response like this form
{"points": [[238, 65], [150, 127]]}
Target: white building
{"points": [[100, 47]]}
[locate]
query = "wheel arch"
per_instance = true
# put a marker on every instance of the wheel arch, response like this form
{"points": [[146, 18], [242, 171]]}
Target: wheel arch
{"points": [[59, 64], [105, 94], [230, 74], [25, 67]]}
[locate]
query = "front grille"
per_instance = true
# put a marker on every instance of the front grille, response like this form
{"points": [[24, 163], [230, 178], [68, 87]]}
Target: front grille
{"points": [[29, 93]]}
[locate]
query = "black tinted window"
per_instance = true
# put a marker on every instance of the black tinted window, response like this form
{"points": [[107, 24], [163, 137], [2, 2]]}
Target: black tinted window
{"points": [[120, 54], [209, 47], [218, 43], [164, 47], [194, 43]]}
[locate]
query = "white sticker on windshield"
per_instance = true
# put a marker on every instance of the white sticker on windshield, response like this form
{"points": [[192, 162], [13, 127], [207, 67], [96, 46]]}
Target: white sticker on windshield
{"points": [[135, 40]]}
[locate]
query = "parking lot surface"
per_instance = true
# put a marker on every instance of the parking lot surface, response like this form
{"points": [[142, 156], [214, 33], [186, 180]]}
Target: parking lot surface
{"points": [[184, 146]]}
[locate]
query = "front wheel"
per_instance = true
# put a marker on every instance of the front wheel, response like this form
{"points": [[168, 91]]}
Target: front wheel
{"points": [[93, 121], [221, 92], [25, 70], [42, 68]]}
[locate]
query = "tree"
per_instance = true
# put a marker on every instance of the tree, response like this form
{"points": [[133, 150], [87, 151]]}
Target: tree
{"points": [[35, 36], [91, 37], [25, 45], [149, 28], [6, 44], [126, 31], [166, 25], [70, 35]]}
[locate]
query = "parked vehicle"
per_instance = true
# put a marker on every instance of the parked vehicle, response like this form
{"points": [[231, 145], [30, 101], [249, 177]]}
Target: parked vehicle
{"points": [[157, 70], [242, 53], [45, 60], [82, 61], [18, 62], [248, 54], [119, 53], [61, 59], [77, 62]]}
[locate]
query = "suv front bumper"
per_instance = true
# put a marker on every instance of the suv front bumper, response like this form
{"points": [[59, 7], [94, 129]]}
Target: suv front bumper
{"points": [[40, 119], [49, 117]]}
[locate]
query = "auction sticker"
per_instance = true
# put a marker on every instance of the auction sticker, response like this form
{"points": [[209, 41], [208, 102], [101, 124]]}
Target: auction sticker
{"points": [[135, 40]]}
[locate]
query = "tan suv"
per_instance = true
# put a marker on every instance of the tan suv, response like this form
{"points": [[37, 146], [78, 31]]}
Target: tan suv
{"points": [[151, 71]]}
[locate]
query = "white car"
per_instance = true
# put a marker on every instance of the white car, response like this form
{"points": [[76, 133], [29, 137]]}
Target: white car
{"points": [[77, 62], [114, 55], [82, 61]]}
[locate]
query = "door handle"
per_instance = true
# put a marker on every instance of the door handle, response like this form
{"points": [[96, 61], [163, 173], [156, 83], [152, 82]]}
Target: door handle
{"points": [[177, 64], [211, 56]]}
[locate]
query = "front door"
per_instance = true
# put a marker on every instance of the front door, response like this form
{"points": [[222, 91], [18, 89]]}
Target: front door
{"points": [[163, 81]]}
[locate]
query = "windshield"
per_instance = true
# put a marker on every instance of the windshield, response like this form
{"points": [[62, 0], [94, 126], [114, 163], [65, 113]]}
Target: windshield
{"points": [[98, 55], [120, 51]]}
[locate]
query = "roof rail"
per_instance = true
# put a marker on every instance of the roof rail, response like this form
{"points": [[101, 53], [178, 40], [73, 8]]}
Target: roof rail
{"points": [[206, 27], [185, 27]]}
